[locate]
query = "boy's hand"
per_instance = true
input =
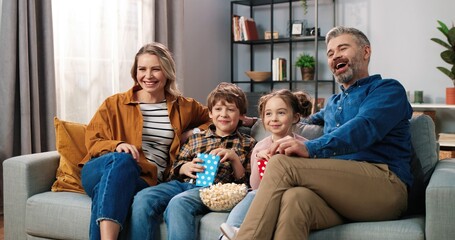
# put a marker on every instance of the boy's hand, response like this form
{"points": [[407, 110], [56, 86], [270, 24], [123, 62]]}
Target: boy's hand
{"points": [[230, 155], [192, 167], [226, 154]]}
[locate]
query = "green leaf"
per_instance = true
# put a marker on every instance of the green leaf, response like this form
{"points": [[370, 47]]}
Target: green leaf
{"points": [[305, 60], [442, 43], [448, 56], [443, 28], [447, 72], [451, 37]]}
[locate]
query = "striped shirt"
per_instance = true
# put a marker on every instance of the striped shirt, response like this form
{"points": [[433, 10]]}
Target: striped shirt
{"points": [[206, 141], [157, 135]]}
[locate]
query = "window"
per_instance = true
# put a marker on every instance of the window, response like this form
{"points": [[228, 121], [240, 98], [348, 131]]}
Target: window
{"points": [[95, 42]]}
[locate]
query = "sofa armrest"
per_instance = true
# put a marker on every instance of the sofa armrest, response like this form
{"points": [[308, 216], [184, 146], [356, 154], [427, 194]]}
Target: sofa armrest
{"points": [[25, 176], [440, 202]]}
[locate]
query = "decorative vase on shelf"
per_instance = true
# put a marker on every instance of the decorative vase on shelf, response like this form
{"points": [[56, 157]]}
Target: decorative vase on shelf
{"points": [[450, 95], [307, 73]]}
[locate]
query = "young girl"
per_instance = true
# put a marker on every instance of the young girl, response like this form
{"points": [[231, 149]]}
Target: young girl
{"points": [[280, 112]]}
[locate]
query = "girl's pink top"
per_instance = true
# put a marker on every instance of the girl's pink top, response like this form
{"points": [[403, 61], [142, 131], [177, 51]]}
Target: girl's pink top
{"points": [[261, 145]]}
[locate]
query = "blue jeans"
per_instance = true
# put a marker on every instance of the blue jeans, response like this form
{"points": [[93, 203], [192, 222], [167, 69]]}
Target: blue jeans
{"points": [[238, 213], [111, 180], [180, 203]]}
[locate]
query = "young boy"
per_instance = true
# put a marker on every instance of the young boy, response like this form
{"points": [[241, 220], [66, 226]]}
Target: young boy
{"points": [[179, 198]]}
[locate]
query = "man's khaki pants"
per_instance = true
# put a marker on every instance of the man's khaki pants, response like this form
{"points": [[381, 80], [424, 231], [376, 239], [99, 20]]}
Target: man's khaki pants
{"points": [[297, 195]]}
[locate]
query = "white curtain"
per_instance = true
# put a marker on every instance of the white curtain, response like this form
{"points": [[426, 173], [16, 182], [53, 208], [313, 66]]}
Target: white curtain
{"points": [[95, 44]]}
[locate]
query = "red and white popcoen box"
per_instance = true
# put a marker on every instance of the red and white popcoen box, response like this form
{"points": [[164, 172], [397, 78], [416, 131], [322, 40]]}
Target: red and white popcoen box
{"points": [[262, 163]]}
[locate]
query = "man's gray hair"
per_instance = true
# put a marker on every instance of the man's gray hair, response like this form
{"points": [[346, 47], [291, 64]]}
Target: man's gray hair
{"points": [[361, 38]]}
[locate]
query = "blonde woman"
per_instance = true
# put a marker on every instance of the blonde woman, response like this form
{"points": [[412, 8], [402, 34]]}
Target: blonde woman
{"points": [[133, 139]]}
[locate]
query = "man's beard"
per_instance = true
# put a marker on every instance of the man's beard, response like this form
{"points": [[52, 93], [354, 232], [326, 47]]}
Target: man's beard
{"points": [[345, 77]]}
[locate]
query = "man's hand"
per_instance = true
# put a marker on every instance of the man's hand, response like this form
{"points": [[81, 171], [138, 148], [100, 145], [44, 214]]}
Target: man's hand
{"points": [[289, 146], [190, 168], [128, 148]]}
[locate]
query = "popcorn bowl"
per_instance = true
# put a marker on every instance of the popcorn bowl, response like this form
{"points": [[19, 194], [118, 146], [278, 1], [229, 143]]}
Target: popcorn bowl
{"points": [[223, 197]]}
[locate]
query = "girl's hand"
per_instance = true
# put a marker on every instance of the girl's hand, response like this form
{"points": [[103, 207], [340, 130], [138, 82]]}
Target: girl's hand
{"points": [[128, 148], [263, 154], [226, 154], [189, 168], [289, 146]]}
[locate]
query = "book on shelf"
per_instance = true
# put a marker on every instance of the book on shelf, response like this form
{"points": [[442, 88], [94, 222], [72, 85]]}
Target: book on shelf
{"points": [[251, 30], [236, 27], [279, 69], [244, 29]]}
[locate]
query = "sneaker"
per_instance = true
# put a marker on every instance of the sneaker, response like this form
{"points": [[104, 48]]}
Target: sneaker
{"points": [[223, 237], [229, 232]]}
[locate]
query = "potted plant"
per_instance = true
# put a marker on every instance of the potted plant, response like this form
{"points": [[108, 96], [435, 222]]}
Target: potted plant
{"points": [[306, 64], [448, 56]]}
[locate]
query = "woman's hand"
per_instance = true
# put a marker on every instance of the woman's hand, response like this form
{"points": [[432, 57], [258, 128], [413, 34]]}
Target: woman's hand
{"points": [[185, 135], [189, 168], [289, 146], [248, 121], [128, 148]]}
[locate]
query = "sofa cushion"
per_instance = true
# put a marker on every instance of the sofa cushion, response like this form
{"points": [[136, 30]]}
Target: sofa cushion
{"points": [[58, 215], [209, 226], [424, 159], [307, 131], [405, 229], [71, 147]]}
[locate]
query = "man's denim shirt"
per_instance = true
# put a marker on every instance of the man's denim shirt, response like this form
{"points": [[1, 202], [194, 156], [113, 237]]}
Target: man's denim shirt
{"points": [[369, 121]]}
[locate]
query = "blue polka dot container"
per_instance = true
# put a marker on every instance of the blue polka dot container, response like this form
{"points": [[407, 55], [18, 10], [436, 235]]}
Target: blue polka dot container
{"points": [[210, 163]]}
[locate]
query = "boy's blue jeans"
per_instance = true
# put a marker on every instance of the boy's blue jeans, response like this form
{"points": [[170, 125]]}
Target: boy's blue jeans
{"points": [[180, 203], [111, 180]]}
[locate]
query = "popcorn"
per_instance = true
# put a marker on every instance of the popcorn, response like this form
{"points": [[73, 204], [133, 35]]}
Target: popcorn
{"points": [[223, 197]]}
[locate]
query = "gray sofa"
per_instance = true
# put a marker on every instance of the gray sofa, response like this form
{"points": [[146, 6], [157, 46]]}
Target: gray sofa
{"points": [[32, 211]]}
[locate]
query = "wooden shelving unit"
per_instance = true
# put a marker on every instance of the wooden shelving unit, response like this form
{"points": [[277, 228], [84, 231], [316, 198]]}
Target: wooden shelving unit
{"points": [[290, 42]]}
